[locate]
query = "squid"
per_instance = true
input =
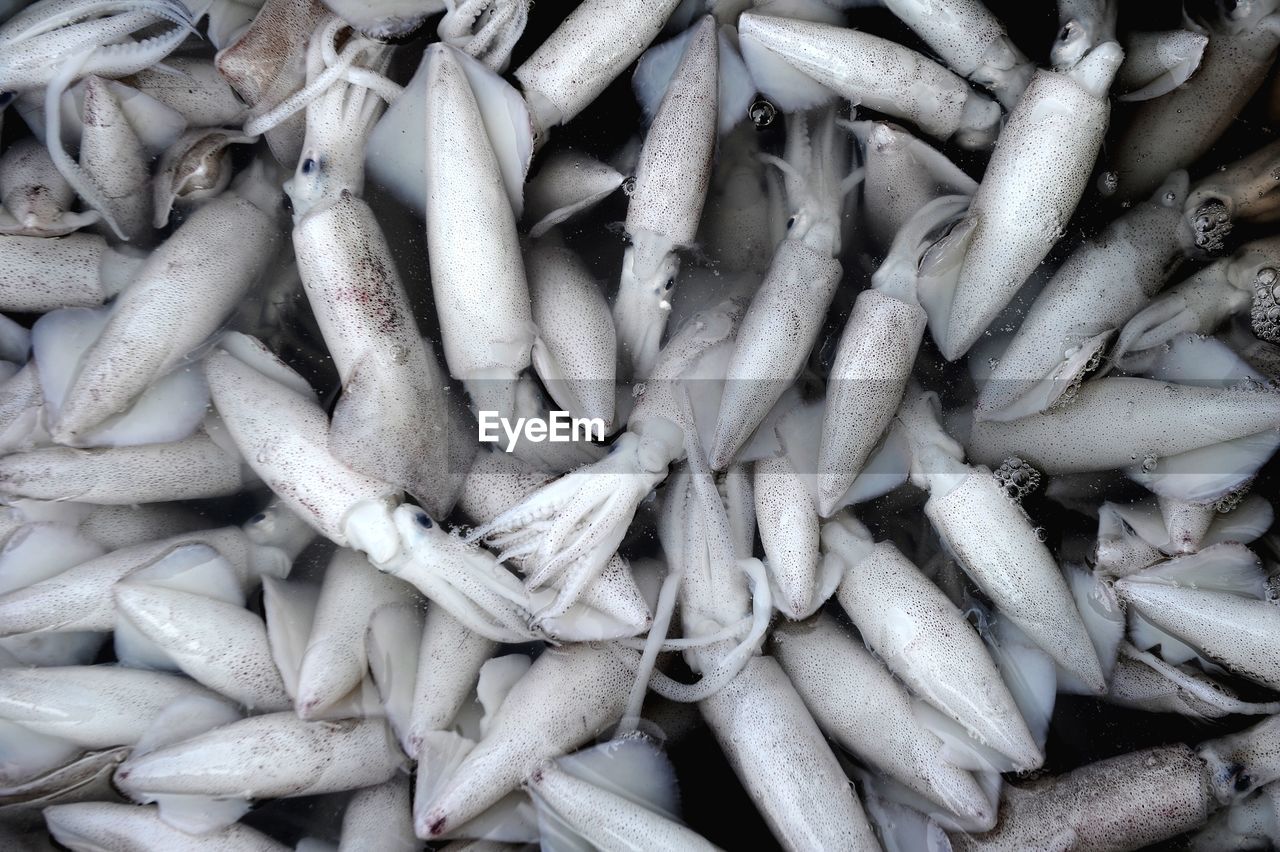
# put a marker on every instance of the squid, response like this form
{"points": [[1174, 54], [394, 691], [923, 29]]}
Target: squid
{"points": [[1056, 128], [796, 291], [487, 332], [875, 356], [995, 542], [1241, 192], [1084, 24], [52, 43], [113, 155], [592, 46], [972, 42], [907, 621], [1099, 287], [193, 170], [1132, 800], [671, 183], [76, 271], [1246, 281], [1157, 63], [84, 826], [36, 198], [871, 71], [1173, 131], [1143, 681], [568, 530], [379, 817], [874, 719], [484, 29], [567, 183], [568, 696]]}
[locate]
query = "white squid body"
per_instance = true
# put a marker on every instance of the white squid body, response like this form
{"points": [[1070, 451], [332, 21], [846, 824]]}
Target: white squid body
{"points": [[1173, 131], [221, 645], [183, 293], [971, 41], [36, 198], [91, 706], [380, 817], [901, 174], [79, 598], [477, 273], [1050, 141], [1156, 63], [1095, 290], [586, 793], [78, 270], [875, 356], [272, 756], [193, 88], [567, 697], [908, 622], [193, 468], [110, 527], [1145, 682], [595, 43], [568, 182], [449, 662], [1117, 422], [793, 779], [873, 72], [194, 169], [671, 183], [91, 826], [788, 522], [1122, 803], [335, 660], [575, 351], [858, 703], [993, 539], [285, 435], [1200, 304], [111, 151], [1205, 618]]}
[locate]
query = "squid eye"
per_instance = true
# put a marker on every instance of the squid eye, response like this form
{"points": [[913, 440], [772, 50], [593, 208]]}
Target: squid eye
{"points": [[671, 282], [791, 222], [308, 166], [258, 518], [424, 520]]}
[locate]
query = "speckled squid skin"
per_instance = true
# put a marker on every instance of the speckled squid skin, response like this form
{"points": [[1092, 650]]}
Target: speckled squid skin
{"points": [[1099, 286], [1173, 131], [593, 45], [873, 362], [971, 41], [477, 273], [39, 274], [1240, 633], [285, 438], [1119, 804], [191, 469], [858, 703], [1050, 141], [80, 597], [777, 333], [788, 523], [36, 197], [91, 706], [111, 151], [910, 624], [390, 422], [335, 658], [197, 91], [576, 351], [267, 63], [273, 756], [994, 540], [183, 293], [671, 182], [1245, 189], [783, 760], [221, 645], [879, 74], [608, 820], [1118, 422], [104, 825], [380, 817], [449, 662], [566, 698]]}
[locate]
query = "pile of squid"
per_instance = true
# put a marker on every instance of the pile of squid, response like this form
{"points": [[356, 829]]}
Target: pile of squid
{"points": [[933, 373]]}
